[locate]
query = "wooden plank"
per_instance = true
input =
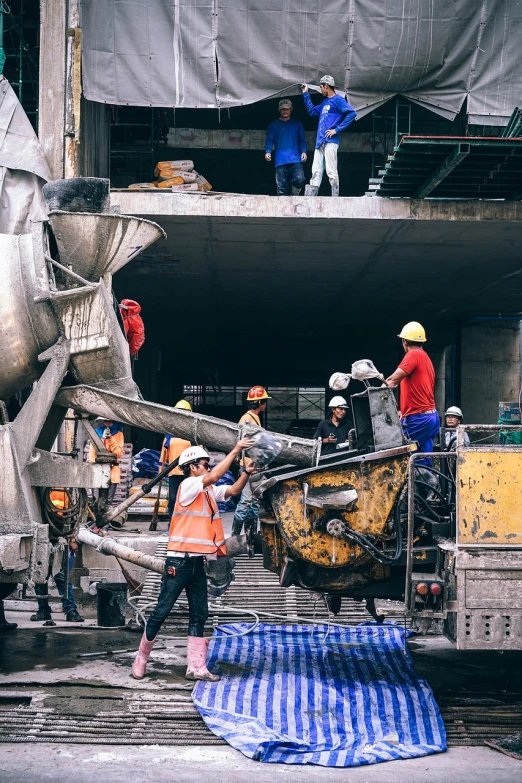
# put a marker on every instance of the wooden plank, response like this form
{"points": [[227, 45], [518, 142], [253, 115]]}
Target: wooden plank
{"points": [[51, 114]]}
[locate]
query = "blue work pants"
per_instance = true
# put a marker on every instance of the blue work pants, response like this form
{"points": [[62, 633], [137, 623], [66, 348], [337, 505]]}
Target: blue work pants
{"points": [[247, 512], [423, 428], [288, 176], [189, 576], [68, 602]]}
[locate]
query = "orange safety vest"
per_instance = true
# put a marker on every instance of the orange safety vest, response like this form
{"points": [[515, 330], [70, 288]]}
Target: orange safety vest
{"points": [[197, 528]]}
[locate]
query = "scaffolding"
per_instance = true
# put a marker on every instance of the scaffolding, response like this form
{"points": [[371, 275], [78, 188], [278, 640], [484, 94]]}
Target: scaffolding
{"points": [[19, 51]]}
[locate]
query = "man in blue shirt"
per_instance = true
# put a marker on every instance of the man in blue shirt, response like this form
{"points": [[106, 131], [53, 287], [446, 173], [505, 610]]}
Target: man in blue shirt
{"points": [[287, 137], [335, 115]]}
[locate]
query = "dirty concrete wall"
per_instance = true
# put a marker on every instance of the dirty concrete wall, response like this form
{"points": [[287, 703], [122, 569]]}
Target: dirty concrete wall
{"points": [[489, 368]]}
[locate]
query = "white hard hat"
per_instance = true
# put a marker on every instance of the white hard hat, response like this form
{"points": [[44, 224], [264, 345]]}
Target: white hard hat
{"points": [[454, 411], [338, 402], [192, 454]]}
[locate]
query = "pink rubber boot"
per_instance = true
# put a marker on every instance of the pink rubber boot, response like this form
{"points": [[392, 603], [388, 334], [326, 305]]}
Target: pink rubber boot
{"points": [[140, 662], [197, 660]]}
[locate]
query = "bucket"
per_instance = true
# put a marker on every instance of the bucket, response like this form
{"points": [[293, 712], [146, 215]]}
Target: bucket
{"points": [[111, 604]]}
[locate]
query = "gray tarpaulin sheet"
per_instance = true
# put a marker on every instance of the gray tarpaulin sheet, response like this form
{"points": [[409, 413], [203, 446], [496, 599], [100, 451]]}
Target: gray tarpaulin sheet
{"points": [[23, 168], [220, 53]]}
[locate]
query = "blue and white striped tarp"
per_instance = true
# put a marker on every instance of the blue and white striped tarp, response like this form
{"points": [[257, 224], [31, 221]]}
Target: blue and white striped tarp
{"points": [[303, 695]]}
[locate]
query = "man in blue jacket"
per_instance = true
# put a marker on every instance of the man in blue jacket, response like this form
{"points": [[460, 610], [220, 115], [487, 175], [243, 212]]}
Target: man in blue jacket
{"points": [[335, 115], [287, 137]]}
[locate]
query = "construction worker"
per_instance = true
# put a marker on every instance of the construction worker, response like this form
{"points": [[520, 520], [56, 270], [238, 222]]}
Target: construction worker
{"points": [[60, 499], [335, 115], [287, 137], [416, 376], [111, 434], [70, 609], [452, 418], [5, 591], [195, 533], [335, 429], [170, 450], [247, 511]]}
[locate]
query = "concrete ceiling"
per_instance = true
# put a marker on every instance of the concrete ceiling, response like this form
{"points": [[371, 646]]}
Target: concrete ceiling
{"points": [[283, 279]]}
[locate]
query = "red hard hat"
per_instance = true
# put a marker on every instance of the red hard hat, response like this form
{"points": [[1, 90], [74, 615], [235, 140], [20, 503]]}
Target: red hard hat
{"points": [[257, 393]]}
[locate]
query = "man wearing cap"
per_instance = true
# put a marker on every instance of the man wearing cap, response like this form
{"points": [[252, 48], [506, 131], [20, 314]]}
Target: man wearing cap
{"points": [[247, 511], [416, 376], [287, 137], [195, 533], [335, 429], [335, 115]]}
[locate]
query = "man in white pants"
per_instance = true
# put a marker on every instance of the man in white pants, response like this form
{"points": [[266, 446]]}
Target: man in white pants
{"points": [[335, 115]]}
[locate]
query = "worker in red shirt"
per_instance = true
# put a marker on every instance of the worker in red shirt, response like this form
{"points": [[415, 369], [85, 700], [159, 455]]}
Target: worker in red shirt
{"points": [[416, 376]]}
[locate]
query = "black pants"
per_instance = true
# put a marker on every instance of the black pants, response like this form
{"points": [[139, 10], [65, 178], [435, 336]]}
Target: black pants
{"points": [[190, 576], [174, 482]]}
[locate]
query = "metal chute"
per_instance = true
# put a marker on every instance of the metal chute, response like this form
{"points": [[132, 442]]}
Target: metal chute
{"points": [[97, 244]]}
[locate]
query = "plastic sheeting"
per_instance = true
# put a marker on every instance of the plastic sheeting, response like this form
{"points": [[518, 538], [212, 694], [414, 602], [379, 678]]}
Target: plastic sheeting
{"points": [[338, 697], [23, 168], [219, 53]]}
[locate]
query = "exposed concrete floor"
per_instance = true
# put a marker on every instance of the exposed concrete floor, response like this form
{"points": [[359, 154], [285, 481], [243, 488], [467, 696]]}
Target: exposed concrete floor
{"points": [[88, 763], [47, 663], [39, 659]]}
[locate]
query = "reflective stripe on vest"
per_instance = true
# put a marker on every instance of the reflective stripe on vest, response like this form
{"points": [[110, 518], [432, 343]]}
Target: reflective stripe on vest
{"points": [[197, 528]]}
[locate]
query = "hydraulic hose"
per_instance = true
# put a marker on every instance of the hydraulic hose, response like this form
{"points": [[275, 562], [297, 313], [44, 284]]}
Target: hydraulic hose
{"points": [[62, 521]]}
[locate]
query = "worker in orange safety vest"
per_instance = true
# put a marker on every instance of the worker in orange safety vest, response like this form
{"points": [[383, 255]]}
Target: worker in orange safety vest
{"points": [[170, 450], [111, 434], [195, 533]]}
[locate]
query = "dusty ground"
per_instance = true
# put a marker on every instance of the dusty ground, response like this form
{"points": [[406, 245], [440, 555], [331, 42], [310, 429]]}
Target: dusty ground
{"points": [[123, 764], [55, 665], [66, 670]]}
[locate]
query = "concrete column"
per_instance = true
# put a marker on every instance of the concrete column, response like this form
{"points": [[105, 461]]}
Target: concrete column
{"points": [[441, 362], [489, 368], [51, 110]]}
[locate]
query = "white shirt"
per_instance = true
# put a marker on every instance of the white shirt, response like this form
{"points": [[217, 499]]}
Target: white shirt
{"points": [[191, 487], [188, 491]]}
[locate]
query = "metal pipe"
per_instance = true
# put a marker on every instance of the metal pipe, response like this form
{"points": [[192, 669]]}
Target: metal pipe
{"points": [[70, 272], [145, 489], [236, 545], [108, 546], [409, 537], [213, 433]]}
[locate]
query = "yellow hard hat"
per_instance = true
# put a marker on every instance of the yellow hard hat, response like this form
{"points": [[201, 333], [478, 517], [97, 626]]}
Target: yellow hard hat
{"points": [[413, 331], [183, 404]]}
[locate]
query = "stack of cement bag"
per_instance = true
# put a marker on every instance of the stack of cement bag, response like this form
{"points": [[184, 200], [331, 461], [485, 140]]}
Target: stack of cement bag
{"points": [[145, 505], [125, 462], [176, 175]]}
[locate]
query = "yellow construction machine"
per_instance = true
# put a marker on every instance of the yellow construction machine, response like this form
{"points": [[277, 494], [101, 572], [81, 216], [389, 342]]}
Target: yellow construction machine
{"points": [[371, 523]]}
